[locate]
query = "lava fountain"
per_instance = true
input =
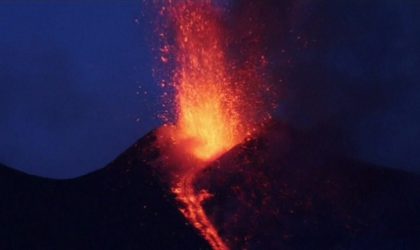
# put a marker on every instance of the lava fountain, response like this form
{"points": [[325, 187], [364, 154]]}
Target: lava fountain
{"points": [[217, 100]]}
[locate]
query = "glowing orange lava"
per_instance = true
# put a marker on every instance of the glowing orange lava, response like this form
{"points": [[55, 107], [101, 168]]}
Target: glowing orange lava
{"points": [[206, 102], [194, 211], [210, 103]]}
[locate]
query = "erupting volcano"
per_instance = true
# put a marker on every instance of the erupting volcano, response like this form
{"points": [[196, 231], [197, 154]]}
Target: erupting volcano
{"points": [[208, 115], [242, 179], [216, 101]]}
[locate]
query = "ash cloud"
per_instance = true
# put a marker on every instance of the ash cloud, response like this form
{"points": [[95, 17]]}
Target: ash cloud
{"points": [[69, 75], [349, 71]]}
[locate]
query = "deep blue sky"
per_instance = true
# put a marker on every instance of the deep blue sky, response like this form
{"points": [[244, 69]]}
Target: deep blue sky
{"points": [[73, 79]]}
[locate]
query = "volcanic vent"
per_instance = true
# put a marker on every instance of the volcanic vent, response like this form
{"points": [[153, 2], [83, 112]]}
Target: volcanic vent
{"points": [[237, 176], [280, 190], [218, 101], [242, 180]]}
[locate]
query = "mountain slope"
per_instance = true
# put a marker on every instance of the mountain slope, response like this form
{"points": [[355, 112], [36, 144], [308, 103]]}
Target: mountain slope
{"points": [[291, 190], [284, 189], [119, 207]]}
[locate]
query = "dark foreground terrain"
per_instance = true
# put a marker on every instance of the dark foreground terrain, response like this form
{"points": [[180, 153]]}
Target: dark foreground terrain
{"points": [[289, 190], [282, 190], [121, 206]]}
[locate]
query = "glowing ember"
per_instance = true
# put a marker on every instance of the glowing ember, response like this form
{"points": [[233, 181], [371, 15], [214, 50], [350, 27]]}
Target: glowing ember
{"points": [[194, 211], [206, 101], [216, 109]]}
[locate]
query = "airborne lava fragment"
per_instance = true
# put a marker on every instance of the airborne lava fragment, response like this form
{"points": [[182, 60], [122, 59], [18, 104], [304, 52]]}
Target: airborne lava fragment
{"points": [[217, 101]]}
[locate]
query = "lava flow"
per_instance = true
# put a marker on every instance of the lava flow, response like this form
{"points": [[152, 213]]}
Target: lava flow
{"points": [[213, 105]]}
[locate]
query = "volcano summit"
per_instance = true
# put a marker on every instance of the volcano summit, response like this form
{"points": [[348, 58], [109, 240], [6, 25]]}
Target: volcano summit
{"points": [[280, 190]]}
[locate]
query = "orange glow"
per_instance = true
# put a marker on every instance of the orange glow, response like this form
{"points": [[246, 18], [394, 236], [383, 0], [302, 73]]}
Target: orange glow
{"points": [[206, 103], [194, 211], [216, 102], [206, 124]]}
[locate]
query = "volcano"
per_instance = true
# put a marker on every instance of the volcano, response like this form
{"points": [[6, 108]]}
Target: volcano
{"points": [[121, 206], [282, 189]]}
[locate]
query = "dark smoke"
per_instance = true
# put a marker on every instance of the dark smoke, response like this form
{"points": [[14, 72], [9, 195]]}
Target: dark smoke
{"points": [[347, 70]]}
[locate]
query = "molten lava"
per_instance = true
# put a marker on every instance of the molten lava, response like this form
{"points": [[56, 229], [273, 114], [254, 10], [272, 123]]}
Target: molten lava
{"points": [[215, 109], [194, 211], [206, 101]]}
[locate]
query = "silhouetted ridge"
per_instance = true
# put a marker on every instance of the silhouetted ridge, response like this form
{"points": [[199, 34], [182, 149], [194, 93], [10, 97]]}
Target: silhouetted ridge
{"points": [[284, 189], [121, 206], [287, 189]]}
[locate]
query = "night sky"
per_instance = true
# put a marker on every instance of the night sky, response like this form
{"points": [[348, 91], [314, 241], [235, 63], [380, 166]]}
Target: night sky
{"points": [[76, 84]]}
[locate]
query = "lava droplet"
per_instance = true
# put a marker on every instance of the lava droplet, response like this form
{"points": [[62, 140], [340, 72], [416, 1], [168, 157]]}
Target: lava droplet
{"points": [[216, 101]]}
